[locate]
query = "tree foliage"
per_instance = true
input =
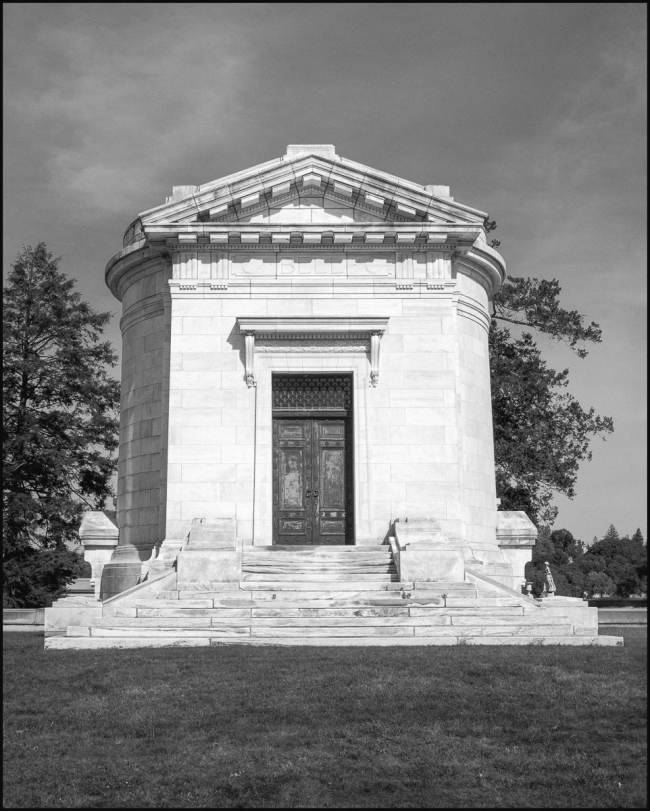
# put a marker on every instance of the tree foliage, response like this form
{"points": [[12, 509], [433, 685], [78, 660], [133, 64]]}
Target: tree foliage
{"points": [[612, 566], [541, 432], [60, 425]]}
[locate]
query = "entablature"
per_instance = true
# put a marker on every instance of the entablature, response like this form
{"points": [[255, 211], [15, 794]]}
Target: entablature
{"points": [[453, 238]]}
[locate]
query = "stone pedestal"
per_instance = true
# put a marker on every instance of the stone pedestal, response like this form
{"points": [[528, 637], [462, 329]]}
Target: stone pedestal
{"points": [[99, 535], [425, 554], [516, 536]]}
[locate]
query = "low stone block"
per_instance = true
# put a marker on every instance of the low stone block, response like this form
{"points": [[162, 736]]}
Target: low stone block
{"points": [[362, 631], [214, 564], [23, 616], [166, 632], [587, 641], [100, 643], [70, 612], [341, 641], [212, 533]]}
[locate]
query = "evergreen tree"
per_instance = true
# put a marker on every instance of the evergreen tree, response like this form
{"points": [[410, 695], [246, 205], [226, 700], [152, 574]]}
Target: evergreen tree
{"points": [[60, 426]]}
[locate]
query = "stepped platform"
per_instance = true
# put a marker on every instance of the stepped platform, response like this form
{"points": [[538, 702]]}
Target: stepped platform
{"points": [[322, 596]]}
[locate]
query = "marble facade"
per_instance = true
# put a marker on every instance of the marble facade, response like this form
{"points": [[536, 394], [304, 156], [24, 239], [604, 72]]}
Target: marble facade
{"points": [[308, 264]]}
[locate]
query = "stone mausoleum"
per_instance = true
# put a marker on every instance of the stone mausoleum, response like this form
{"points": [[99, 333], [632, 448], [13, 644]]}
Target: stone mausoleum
{"points": [[306, 419]]}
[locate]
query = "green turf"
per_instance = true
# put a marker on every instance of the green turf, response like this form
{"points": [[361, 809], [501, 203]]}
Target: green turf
{"points": [[338, 727]]}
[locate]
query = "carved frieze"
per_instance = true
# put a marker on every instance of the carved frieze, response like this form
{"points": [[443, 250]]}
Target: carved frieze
{"points": [[319, 345], [315, 262]]}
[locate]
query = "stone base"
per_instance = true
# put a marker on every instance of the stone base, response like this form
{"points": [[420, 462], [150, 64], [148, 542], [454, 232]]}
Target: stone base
{"points": [[330, 596], [71, 611], [99, 643]]}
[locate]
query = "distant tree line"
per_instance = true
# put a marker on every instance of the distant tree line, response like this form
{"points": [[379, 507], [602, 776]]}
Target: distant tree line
{"points": [[612, 566]]}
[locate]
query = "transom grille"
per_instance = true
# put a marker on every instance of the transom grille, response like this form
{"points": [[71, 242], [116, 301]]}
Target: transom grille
{"points": [[307, 392]]}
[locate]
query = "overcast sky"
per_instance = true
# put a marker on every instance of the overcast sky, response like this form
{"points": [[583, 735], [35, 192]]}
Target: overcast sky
{"points": [[534, 113]]}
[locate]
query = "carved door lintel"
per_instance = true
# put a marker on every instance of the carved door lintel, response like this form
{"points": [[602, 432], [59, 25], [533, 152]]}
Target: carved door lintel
{"points": [[313, 335]]}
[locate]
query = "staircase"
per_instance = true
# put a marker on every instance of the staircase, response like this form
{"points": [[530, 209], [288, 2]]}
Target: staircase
{"points": [[322, 596]]}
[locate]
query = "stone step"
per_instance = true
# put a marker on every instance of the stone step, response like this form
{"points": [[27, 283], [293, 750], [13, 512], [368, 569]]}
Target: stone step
{"points": [[313, 551], [316, 560], [256, 610], [298, 572], [329, 577], [410, 630], [369, 620], [317, 565], [343, 594], [272, 607], [290, 595], [325, 585], [362, 630], [310, 557], [199, 589], [106, 642]]}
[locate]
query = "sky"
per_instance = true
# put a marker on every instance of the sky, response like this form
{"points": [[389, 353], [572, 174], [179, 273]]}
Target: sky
{"points": [[534, 113]]}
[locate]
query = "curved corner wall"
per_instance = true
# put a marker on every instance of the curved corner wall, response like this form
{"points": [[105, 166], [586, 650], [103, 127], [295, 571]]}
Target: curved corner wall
{"points": [[477, 443], [138, 277]]}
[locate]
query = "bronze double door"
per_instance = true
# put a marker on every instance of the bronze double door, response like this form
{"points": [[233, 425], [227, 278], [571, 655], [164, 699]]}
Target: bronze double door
{"points": [[311, 481]]}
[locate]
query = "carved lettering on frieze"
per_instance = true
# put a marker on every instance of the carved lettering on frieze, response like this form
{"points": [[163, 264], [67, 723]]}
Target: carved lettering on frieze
{"points": [[371, 264], [268, 345], [311, 264], [257, 264]]}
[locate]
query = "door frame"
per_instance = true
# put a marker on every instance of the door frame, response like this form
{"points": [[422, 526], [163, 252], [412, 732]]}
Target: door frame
{"points": [[318, 414], [260, 512]]}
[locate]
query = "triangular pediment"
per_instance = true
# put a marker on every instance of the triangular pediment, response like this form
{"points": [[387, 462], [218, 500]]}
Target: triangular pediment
{"points": [[313, 188]]}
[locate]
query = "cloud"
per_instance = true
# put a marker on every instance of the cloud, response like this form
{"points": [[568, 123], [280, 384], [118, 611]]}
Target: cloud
{"points": [[118, 106]]}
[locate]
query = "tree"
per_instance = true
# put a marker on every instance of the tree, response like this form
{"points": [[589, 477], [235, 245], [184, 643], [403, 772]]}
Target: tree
{"points": [[611, 534], [623, 560], [541, 432], [60, 425], [599, 583]]}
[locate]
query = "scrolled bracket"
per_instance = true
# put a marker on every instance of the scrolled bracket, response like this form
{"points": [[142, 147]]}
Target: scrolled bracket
{"points": [[375, 338], [249, 338]]}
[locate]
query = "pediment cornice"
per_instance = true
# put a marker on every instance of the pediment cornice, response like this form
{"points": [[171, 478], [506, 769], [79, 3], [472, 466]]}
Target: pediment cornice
{"points": [[237, 196]]}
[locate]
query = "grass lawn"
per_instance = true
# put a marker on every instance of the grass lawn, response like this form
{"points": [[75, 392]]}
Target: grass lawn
{"points": [[338, 727]]}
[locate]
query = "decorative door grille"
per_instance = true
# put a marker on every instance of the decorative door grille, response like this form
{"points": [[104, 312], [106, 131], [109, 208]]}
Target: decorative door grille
{"points": [[312, 392]]}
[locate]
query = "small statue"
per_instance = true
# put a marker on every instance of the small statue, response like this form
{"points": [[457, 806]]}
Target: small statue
{"points": [[549, 586]]}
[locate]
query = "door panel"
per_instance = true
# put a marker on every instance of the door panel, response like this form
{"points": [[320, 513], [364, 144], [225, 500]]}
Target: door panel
{"points": [[310, 481], [292, 511], [292, 466], [330, 481]]}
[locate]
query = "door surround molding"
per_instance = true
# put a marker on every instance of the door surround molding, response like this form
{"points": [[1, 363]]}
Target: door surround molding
{"points": [[307, 335], [314, 361]]}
